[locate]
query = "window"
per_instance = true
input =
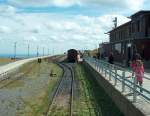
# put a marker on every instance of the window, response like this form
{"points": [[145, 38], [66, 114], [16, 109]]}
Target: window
{"points": [[129, 30], [118, 48], [138, 26], [132, 26]]}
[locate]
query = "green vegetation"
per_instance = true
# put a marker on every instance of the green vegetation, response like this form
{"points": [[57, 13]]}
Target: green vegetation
{"points": [[39, 103], [36, 84], [15, 78], [14, 84], [93, 101], [61, 111]]}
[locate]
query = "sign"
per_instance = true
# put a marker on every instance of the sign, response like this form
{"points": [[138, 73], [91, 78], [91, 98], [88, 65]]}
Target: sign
{"points": [[129, 44]]}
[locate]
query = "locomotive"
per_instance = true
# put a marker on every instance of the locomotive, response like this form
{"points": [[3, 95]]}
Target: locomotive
{"points": [[72, 55]]}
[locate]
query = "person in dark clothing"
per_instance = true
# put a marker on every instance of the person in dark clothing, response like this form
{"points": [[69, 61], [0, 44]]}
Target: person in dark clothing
{"points": [[111, 58], [136, 56]]}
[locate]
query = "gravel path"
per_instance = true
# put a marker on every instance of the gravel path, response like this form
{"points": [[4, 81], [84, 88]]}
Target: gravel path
{"points": [[13, 97]]}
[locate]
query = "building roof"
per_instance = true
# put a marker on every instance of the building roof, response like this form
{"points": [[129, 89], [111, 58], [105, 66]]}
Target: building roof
{"points": [[134, 15], [140, 12], [127, 23]]}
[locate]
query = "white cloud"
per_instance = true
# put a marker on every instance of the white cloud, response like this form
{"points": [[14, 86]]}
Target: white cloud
{"points": [[4, 29], [65, 3], [55, 30], [135, 4], [7, 9], [130, 4]]}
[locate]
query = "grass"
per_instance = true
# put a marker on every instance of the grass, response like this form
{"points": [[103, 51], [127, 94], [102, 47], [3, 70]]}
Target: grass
{"points": [[4, 61], [38, 104], [93, 99], [14, 83], [59, 111]]}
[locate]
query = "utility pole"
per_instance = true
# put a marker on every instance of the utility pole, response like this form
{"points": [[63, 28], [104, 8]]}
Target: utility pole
{"points": [[53, 51], [115, 22], [48, 51], [43, 51], [15, 46], [37, 51], [28, 50]]}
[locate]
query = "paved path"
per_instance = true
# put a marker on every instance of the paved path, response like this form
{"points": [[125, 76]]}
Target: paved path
{"points": [[142, 99], [9, 67]]}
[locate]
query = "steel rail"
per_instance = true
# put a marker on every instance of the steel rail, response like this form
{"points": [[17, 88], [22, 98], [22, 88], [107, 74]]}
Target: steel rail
{"points": [[63, 66], [55, 92], [72, 88]]}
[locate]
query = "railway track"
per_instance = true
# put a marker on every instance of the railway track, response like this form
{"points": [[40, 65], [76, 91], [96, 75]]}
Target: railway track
{"points": [[62, 98]]}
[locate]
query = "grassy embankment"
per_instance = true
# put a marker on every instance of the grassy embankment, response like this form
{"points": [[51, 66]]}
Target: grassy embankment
{"points": [[93, 101]]}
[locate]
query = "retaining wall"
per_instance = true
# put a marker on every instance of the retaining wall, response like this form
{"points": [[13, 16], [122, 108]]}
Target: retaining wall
{"points": [[125, 105]]}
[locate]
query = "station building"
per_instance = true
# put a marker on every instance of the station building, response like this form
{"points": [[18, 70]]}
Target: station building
{"points": [[132, 37], [105, 49]]}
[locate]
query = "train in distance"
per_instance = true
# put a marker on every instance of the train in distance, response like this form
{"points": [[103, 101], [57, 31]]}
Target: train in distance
{"points": [[74, 56]]}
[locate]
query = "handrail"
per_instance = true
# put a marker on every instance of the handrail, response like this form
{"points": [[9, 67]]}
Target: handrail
{"points": [[110, 71]]}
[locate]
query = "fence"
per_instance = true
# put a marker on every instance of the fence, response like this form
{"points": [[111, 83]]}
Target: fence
{"points": [[119, 75]]}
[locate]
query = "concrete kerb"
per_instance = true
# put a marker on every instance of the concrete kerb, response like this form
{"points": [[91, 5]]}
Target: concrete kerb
{"points": [[124, 104], [10, 68]]}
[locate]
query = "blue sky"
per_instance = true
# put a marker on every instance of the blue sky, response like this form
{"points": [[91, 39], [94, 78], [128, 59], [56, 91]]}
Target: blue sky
{"points": [[61, 24]]}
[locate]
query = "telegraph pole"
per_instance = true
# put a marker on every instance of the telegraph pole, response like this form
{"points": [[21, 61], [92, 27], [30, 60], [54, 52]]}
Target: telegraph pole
{"points": [[28, 50], [115, 22], [37, 51], [15, 46], [53, 51], [43, 51], [48, 51]]}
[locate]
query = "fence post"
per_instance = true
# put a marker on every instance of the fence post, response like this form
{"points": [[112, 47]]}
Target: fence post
{"points": [[102, 67], [123, 81], [105, 69], [134, 90], [110, 69], [115, 76], [95, 63], [99, 65]]}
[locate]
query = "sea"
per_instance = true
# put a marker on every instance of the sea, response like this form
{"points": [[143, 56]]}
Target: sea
{"points": [[22, 56]]}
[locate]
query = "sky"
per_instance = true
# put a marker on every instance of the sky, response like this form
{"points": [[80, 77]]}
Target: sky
{"points": [[59, 25]]}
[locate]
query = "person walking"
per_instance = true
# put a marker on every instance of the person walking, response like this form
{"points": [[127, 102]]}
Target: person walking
{"points": [[139, 72], [111, 58], [133, 63]]}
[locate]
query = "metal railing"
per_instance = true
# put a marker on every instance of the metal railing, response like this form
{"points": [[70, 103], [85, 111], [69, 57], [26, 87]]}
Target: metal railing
{"points": [[119, 76]]}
